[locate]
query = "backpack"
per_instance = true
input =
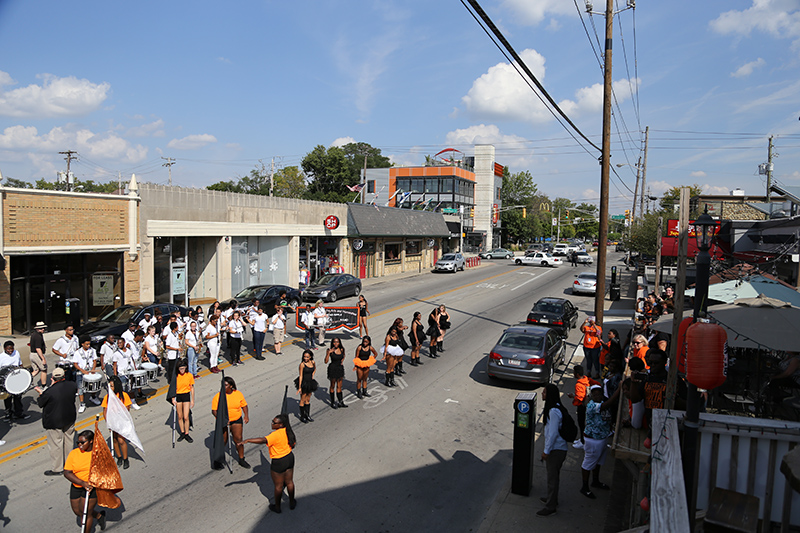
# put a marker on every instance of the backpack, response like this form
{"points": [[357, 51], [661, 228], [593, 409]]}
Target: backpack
{"points": [[568, 429]]}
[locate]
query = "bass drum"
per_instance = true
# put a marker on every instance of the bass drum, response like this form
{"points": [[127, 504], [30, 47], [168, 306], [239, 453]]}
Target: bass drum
{"points": [[15, 380]]}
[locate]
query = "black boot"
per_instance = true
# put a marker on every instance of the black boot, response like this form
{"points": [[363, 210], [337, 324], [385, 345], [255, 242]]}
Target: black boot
{"points": [[333, 402], [358, 394], [440, 346], [419, 361], [393, 383], [398, 369], [341, 400], [303, 417], [388, 381], [366, 394], [308, 413], [413, 362], [432, 351]]}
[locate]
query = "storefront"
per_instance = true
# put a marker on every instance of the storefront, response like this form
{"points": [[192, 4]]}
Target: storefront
{"points": [[260, 261]]}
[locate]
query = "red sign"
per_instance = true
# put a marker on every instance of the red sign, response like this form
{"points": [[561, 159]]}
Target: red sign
{"points": [[673, 229], [332, 222]]}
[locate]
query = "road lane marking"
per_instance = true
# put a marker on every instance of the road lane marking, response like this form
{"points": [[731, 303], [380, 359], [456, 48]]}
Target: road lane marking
{"points": [[526, 282]]}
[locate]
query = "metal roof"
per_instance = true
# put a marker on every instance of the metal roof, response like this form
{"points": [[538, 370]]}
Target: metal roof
{"points": [[367, 220], [792, 193]]}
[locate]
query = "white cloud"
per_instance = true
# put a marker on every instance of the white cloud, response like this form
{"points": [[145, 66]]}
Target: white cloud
{"points": [[779, 18], [748, 68], [501, 94], [153, 129], [192, 142], [698, 174], [657, 188], [55, 97], [715, 190], [341, 141], [527, 12], [590, 195], [107, 146], [480, 134]]}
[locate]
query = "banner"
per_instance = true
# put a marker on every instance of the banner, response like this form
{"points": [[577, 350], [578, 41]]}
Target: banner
{"points": [[673, 228], [338, 318]]}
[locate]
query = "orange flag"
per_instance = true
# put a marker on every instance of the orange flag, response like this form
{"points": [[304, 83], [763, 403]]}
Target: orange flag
{"points": [[104, 474]]}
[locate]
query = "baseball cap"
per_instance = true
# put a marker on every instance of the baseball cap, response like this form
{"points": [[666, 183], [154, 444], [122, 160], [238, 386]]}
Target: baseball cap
{"points": [[58, 373], [595, 387]]}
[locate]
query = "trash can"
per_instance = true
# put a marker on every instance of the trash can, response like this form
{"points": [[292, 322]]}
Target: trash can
{"points": [[73, 311], [524, 432], [613, 292]]}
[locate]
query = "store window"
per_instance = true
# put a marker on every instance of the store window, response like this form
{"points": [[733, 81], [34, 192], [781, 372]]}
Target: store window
{"points": [[447, 185], [371, 186], [413, 248], [417, 185], [432, 186], [392, 251]]}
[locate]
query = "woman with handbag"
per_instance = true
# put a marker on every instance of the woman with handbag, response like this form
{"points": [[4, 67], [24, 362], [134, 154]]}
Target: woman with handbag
{"points": [[417, 337], [433, 331], [444, 325]]}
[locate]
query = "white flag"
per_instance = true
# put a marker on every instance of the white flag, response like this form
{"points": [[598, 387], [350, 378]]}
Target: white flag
{"points": [[119, 420]]}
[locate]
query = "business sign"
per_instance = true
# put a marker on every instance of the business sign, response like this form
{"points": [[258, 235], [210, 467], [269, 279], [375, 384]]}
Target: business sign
{"points": [[494, 213], [332, 222], [673, 228], [102, 290], [338, 318], [449, 210]]}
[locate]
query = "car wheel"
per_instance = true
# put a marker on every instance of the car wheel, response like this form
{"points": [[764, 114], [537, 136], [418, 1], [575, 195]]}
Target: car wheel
{"points": [[357, 291], [332, 297], [488, 256], [518, 261], [545, 263]]}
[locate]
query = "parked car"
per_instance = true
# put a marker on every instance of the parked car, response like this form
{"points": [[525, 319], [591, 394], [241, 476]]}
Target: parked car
{"points": [[564, 249], [116, 321], [583, 258], [331, 287], [558, 314], [621, 247], [268, 297], [526, 353], [497, 253], [585, 283], [539, 258], [450, 263], [535, 247]]}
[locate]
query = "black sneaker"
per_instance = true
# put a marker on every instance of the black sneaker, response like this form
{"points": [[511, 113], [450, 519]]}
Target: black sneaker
{"points": [[546, 512], [119, 461], [188, 439], [102, 521], [126, 464], [181, 437], [243, 463], [589, 494]]}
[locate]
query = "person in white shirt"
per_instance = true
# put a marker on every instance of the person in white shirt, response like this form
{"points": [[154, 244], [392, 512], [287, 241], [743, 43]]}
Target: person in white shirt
{"points": [[130, 333], [147, 321], [123, 363], [193, 341], [10, 357], [64, 348], [211, 336], [307, 319], [106, 351], [172, 345], [278, 329], [85, 362], [320, 322], [259, 323], [151, 345], [235, 330]]}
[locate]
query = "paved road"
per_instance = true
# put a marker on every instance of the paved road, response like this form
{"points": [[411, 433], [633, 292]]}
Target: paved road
{"points": [[431, 454]]}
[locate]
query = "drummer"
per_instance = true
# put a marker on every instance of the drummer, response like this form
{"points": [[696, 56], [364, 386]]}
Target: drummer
{"points": [[85, 362], [65, 347], [11, 358], [123, 363]]}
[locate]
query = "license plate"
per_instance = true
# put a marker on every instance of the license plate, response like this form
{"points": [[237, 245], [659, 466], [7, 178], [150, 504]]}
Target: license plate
{"points": [[544, 320], [514, 362]]}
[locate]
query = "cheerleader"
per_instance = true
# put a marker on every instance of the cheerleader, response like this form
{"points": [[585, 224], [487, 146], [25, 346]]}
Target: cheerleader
{"points": [[335, 356], [363, 313], [391, 350], [444, 325], [365, 358], [417, 337], [306, 384], [433, 331], [398, 361]]}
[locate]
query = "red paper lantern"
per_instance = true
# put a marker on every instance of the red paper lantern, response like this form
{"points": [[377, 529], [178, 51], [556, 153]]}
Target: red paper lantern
{"points": [[705, 360]]}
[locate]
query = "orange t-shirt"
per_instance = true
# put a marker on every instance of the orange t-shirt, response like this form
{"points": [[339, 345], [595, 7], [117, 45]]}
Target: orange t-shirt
{"points": [[591, 336], [235, 403], [640, 353], [126, 400], [183, 383], [278, 444], [79, 462], [581, 387]]}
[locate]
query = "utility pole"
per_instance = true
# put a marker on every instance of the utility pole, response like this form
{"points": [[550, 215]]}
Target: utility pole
{"points": [[769, 167], [658, 255], [677, 316], [636, 192], [558, 221], [69, 159], [169, 162], [272, 177], [644, 172]]}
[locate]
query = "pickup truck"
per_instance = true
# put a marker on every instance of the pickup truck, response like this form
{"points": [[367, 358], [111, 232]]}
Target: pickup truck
{"points": [[539, 258]]}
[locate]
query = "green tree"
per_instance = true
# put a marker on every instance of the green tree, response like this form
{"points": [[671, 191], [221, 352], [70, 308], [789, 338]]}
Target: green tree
{"points": [[225, 186], [329, 172], [644, 235], [671, 199], [518, 190], [17, 184], [586, 215], [355, 152], [79, 186], [289, 182]]}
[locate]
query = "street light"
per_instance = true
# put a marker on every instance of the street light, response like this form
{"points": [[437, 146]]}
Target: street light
{"points": [[704, 233]]}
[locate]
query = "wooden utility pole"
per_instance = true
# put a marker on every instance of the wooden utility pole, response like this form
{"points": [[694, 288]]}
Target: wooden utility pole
{"points": [[169, 162], [605, 169], [69, 159], [644, 171], [769, 168], [677, 317], [658, 255], [636, 191]]}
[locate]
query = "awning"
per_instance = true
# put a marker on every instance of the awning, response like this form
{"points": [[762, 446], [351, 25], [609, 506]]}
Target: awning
{"points": [[367, 220]]}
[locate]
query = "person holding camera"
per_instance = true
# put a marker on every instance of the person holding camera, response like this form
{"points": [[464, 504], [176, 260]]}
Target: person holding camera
{"points": [[592, 342]]}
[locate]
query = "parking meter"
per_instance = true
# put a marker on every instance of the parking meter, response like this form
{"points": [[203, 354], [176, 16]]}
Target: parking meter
{"points": [[524, 432], [614, 275], [73, 312]]}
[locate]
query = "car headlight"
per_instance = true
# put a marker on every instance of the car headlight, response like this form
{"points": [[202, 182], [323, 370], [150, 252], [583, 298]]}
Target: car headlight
{"points": [[324, 293]]}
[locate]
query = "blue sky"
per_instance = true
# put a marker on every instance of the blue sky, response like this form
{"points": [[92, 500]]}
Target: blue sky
{"points": [[219, 89]]}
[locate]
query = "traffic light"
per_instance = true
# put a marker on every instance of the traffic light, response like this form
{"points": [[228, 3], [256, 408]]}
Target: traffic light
{"points": [[627, 214], [524, 212], [471, 212], [567, 214]]}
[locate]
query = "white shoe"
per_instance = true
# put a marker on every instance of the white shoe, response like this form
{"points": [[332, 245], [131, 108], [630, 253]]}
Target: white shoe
{"points": [[82, 408], [578, 445], [135, 406], [2, 442]]}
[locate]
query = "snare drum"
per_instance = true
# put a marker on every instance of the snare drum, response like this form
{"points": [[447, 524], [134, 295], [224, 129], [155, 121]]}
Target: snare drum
{"points": [[152, 371], [68, 367], [14, 380], [138, 379], [91, 383]]}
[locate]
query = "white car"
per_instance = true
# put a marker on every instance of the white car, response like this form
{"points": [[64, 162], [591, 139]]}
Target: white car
{"points": [[539, 258], [450, 263], [585, 283], [564, 249]]}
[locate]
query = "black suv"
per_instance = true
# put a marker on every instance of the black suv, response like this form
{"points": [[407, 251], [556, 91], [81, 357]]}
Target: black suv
{"points": [[116, 321]]}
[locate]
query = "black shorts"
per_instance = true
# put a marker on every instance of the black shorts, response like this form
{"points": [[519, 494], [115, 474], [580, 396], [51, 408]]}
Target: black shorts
{"points": [[183, 397], [282, 464], [237, 421], [80, 492]]}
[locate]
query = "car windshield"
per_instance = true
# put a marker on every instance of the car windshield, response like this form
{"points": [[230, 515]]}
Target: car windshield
{"points": [[583, 253], [548, 307], [588, 277], [120, 315], [326, 280], [521, 341], [249, 293], [448, 257]]}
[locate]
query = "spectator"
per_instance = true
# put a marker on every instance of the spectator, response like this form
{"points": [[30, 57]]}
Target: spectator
{"points": [[582, 384], [307, 318], [639, 349], [38, 350], [592, 342], [555, 447], [597, 432], [58, 419]]}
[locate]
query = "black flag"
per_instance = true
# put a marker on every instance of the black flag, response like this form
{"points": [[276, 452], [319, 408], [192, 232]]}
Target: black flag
{"points": [[218, 449], [173, 384]]}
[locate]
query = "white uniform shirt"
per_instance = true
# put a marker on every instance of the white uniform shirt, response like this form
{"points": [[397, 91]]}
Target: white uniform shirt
{"points": [[85, 358], [193, 339], [260, 322], [211, 330], [151, 343], [173, 345], [307, 318], [124, 360], [236, 328], [278, 321], [107, 352], [10, 360], [145, 323], [319, 314], [66, 346], [128, 335]]}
